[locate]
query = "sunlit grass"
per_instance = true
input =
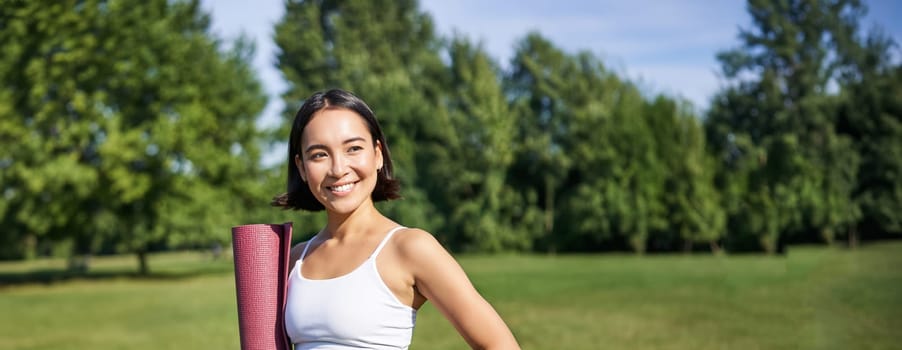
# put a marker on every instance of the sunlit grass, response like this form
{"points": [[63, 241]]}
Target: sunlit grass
{"points": [[813, 298]]}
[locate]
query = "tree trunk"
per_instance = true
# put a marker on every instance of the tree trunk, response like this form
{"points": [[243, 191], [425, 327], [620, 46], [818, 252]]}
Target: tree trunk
{"points": [[715, 248], [143, 269], [549, 205], [827, 235], [687, 246], [853, 237], [768, 243], [30, 246], [637, 242]]}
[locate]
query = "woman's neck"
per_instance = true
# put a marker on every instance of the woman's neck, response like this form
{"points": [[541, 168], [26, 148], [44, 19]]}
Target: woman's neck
{"points": [[350, 225]]}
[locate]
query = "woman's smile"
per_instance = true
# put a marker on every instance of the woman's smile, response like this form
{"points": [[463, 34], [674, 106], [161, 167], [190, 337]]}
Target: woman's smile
{"points": [[341, 189]]}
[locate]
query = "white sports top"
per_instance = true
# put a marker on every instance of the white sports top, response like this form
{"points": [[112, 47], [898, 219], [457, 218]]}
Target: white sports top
{"points": [[353, 311]]}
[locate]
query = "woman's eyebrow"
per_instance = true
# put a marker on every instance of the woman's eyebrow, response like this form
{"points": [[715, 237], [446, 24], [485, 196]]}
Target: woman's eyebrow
{"points": [[313, 147], [321, 146], [354, 139]]}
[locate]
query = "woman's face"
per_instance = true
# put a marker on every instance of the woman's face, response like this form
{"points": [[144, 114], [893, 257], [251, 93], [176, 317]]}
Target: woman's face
{"points": [[338, 160]]}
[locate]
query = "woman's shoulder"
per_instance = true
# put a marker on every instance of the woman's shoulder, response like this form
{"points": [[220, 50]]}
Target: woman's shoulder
{"points": [[296, 251], [414, 242], [422, 255]]}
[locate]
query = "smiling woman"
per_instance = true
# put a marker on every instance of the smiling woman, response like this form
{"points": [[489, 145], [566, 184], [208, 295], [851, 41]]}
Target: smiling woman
{"points": [[351, 113], [353, 285]]}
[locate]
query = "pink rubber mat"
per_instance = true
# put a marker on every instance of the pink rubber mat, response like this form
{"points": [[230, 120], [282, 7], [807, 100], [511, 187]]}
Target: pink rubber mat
{"points": [[261, 271]]}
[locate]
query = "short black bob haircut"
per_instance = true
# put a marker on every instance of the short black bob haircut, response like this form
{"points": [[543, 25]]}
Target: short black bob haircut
{"points": [[299, 195]]}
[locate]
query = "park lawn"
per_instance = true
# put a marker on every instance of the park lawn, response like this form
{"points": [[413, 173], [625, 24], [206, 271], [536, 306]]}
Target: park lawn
{"points": [[813, 298]]}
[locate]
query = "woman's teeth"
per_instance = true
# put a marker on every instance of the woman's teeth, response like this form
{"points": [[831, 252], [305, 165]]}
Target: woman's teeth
{"points": [[342, 188]]}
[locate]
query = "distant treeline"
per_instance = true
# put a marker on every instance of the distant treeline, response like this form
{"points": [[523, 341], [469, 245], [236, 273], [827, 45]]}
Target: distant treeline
{"points": [[127, 126]]}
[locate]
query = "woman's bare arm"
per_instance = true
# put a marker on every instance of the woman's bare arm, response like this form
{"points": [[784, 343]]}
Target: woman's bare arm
{"points": [[439, 278]]}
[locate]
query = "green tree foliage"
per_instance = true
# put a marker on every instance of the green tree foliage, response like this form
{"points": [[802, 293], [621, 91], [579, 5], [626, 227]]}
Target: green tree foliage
{"points": [[387, 52], [566, 155], [536, 85], [694, 212], [588, 155], [871, 115], [774, 125], [471, 178], [124, 124]]}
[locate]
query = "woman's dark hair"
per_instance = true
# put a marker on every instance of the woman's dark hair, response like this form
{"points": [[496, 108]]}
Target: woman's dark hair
{"points": [[299, 195]]}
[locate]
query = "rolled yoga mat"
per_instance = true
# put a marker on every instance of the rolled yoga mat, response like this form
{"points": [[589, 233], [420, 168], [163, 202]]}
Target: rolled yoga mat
{"points": [[261, 275]]}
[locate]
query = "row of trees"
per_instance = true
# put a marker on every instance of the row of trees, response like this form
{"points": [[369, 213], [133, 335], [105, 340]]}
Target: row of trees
{"points": [[123, 125], [809, 130], [127, 126], [557, 152]]}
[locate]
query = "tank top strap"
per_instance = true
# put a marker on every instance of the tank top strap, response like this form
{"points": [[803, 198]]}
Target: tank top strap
{"points": [[384, 241], [307, 245]]}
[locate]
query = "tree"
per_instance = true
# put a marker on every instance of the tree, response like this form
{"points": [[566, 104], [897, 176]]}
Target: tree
{"points": [[694, 213], [136, 128], [778, 104], [387, 53], [586, 150], [870, 113], [470, 179], [535, 84]]}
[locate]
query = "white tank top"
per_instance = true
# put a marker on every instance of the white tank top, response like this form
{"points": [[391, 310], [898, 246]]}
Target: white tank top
{"points": [[352, 311]]}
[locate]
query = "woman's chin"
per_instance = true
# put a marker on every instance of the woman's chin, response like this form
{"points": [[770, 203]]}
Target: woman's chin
{"points": [[343, 205]]}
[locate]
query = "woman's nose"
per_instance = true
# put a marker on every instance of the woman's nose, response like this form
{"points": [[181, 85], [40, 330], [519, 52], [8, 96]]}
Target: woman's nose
{"points": [[339, 165]]}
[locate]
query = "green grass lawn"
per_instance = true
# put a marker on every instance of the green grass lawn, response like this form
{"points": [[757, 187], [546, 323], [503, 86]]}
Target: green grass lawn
{"points": [[813, 298]]}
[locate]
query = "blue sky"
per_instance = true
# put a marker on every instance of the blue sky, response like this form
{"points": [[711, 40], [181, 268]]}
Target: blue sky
{"points": [[668, 46]]}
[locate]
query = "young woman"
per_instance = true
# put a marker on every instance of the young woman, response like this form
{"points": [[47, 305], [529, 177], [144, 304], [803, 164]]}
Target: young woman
{"points": [[359, 282]]}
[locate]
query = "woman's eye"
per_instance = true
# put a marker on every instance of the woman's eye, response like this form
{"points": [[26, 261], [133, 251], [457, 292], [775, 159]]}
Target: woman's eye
{"points": [[355, 149], [317, 155]]}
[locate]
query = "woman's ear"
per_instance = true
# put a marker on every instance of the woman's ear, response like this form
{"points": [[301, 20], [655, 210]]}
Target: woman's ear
{"points": [[300, 165], [379, 160]]}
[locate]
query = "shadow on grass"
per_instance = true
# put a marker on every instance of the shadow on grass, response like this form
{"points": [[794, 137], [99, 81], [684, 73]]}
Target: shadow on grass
{"points": [[52, 276]]}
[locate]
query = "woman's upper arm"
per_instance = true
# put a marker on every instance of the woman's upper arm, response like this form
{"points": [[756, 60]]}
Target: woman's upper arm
{"points": [[439, 278]]}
